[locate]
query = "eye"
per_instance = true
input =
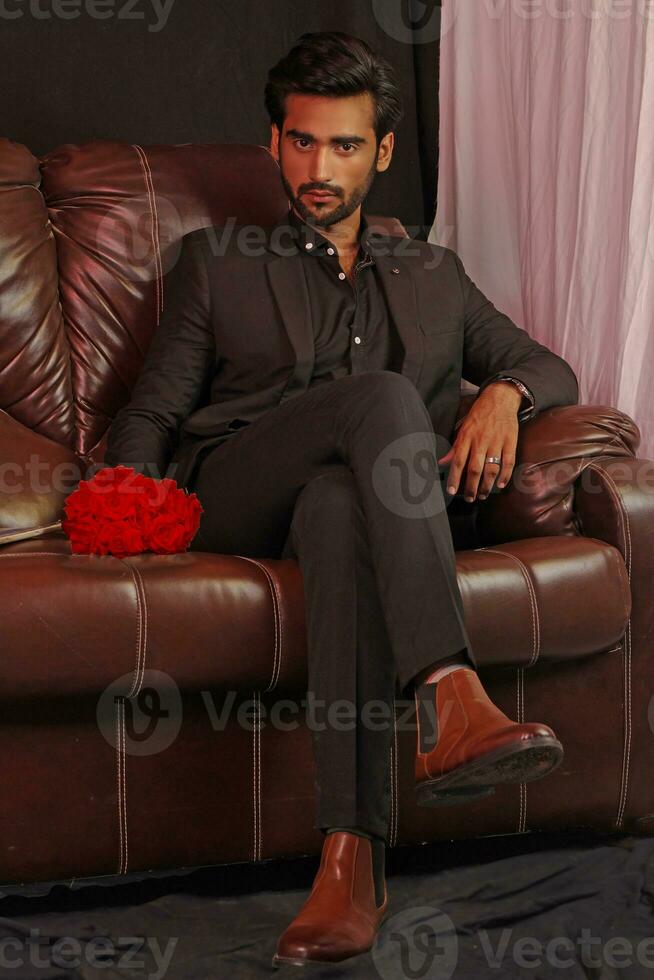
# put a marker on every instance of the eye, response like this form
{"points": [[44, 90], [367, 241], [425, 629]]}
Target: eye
{"points": [[306, 143]]}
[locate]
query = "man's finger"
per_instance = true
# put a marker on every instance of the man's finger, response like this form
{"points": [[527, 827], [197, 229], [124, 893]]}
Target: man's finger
{"points": [[508, 462], [476, 465], [456, 467], [491, 471]]}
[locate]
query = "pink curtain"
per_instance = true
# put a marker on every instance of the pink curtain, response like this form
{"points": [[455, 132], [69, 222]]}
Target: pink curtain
{"points": [[546, 180]]}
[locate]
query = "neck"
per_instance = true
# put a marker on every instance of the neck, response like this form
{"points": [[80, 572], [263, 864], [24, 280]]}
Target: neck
{"points": [[343, 234]]}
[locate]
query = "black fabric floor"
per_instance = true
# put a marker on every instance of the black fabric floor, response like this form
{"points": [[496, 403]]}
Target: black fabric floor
{"points": [[535, 905]]}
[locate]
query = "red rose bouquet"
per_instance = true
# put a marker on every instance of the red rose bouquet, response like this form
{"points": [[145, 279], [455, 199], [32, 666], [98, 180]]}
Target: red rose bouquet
{"points": [[121, 512]]}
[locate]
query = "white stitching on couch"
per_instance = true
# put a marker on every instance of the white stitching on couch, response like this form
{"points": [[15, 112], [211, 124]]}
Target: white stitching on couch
{"points": [[119, 869], [124, 758], [277, 649], [141, 630], [522, 813], [122, 784], [34, 554], [626, 538], [535, 619], [256, 778], [149, 186]]}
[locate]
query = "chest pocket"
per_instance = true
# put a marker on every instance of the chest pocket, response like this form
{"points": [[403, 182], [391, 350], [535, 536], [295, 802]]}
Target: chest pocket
{"points": [[436, 326]]}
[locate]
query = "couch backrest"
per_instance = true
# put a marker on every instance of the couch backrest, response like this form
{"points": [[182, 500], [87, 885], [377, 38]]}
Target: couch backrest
{"points": [[83, 291], [118, 213]]}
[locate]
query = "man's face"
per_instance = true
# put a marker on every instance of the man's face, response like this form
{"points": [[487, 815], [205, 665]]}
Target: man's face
{"points": [[314, 153]]}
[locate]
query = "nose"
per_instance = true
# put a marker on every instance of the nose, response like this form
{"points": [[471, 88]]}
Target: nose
{"points": [[319, 169]]}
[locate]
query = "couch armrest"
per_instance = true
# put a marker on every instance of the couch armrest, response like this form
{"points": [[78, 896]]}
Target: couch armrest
{"points": [[36, 476], [554, 447], [614, 501]]}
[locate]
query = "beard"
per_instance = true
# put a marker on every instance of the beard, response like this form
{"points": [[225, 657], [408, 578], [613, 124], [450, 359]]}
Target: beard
{"points": [[331, 213]]}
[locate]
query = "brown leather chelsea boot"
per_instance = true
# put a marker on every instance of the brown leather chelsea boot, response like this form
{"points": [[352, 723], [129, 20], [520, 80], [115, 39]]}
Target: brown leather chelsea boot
{"points": [[474, 745], [339, 919]]}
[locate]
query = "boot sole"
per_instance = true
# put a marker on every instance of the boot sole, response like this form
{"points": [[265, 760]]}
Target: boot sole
{"points": [[450, 797], [307, 961], [278, 961], [520, 763]]}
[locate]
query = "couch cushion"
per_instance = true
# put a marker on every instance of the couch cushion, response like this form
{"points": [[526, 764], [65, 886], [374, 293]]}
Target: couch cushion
{"points": [[35, 383], [544, 599], [75, 624]]}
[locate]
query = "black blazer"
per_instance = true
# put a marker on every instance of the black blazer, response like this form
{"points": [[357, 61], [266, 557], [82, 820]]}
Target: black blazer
{"points": [[236, 339]]}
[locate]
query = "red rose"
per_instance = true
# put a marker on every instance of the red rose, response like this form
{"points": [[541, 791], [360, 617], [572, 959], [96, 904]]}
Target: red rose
{"points": [[82, 532], [166, 534], [120, 539], [121, 512]]}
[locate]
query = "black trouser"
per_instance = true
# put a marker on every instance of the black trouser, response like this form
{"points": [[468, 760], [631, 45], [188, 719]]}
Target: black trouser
{"points": [[344, 477]]}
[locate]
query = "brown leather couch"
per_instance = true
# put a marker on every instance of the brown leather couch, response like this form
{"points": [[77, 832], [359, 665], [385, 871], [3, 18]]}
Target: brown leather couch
{"points": [[114, 673]]}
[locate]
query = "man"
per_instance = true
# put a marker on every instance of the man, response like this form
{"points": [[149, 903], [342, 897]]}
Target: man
{"points": [[311, 381]]}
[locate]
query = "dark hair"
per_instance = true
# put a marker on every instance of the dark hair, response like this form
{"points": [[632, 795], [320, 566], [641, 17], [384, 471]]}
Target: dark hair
{"points": [[335, 64]]}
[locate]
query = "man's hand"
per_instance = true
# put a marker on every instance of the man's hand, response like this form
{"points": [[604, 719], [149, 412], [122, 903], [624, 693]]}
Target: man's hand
{"points": [[489, 429]]}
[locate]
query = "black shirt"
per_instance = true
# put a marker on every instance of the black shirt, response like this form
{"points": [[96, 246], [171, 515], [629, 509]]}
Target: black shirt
{"points": [[353, 328]]}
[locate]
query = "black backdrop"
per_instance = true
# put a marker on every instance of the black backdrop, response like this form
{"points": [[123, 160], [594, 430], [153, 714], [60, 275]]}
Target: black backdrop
{"points": [[193, 71]]}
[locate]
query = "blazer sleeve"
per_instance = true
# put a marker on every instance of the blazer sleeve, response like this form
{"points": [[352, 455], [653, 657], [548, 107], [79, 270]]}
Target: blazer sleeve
{"points": [[179, 363], [494, 345]]}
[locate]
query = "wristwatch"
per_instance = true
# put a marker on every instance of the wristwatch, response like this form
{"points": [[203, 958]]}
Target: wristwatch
{"points": [[523, 413]]}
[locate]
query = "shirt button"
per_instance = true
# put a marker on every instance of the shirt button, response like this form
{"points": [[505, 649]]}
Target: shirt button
{"points": [[341, 275], [330, 251], [357, 340], [309, 245]]}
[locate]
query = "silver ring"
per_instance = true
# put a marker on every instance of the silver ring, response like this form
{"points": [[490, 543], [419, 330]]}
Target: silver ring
{"points": [[494, 459]]}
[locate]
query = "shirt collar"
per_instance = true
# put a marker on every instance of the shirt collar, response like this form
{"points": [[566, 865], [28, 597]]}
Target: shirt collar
{"points": [[308, 235]]}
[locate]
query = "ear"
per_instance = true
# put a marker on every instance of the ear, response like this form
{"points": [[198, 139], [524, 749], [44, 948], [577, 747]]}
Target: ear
{"points": [[274, 141], [385, 152]]}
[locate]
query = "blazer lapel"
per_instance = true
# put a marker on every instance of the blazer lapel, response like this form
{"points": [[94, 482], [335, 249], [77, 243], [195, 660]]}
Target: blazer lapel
{"points": [[289, 286]]}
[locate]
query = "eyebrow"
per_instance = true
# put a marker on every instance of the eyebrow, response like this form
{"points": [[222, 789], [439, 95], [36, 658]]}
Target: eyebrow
{"points": [[298, 134]]}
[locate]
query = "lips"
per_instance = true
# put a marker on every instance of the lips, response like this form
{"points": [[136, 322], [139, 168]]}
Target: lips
{"points": [[319, 195]]}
